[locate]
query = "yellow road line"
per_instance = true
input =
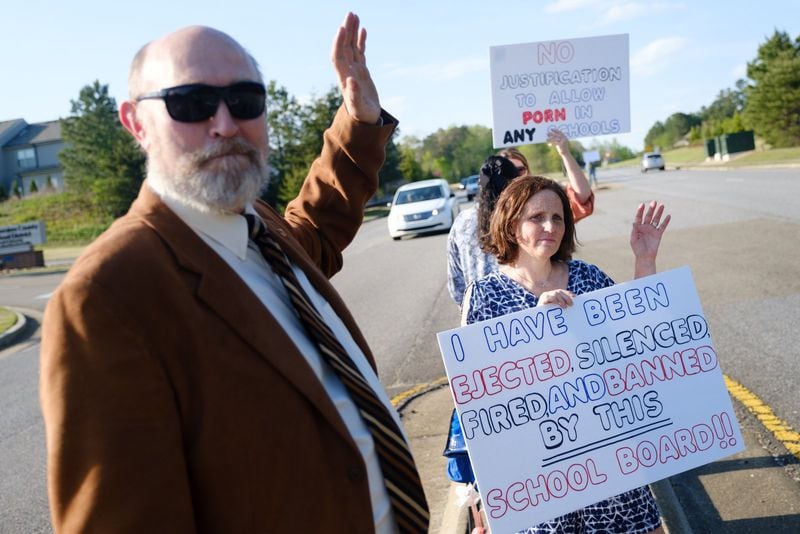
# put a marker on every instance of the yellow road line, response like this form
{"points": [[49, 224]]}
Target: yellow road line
{"points": [[780, 429], [397, 399]]}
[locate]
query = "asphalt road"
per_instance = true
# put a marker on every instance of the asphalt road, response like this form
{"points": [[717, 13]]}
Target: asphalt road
{"points": [[23, 494], [738, 230]]}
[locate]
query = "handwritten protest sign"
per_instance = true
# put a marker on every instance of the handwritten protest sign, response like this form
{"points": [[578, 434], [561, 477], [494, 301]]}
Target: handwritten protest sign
{"points": [[580, 86], [592, 156], [562, 408]]}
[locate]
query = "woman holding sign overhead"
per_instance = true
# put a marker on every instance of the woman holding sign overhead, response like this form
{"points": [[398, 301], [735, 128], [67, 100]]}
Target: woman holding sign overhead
{"points": [[532, 234]]}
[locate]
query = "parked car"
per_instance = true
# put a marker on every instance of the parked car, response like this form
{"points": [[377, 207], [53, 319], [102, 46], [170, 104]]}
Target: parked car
{"points": [[470, 185], [421, 207], [652, 160]]}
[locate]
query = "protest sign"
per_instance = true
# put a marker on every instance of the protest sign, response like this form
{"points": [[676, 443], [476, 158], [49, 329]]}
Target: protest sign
{"points": [[562, 408], [591, 156], [580, 86]]}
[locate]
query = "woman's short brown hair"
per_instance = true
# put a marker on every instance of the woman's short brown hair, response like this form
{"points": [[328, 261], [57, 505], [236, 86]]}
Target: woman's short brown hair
{"points": [[507, 213]]}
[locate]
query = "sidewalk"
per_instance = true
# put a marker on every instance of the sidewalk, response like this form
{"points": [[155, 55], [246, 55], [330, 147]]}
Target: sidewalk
{"points": [[750, 492]]}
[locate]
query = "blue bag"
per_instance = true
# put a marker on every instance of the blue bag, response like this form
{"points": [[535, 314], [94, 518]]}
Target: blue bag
{"points": [[459, 468]]}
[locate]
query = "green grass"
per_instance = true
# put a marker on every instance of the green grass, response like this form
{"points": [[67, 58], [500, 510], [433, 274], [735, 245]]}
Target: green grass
{"points": [[375, 212], [58, 253], [69, 219], [7, 319], [769, 157], [685, 155], [624, 163], [72, 221], [695, 155]]}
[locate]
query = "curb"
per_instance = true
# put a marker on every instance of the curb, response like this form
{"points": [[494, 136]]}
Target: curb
{"points": [[455, 517], [673, 518], [10, 336], [401, 400]]}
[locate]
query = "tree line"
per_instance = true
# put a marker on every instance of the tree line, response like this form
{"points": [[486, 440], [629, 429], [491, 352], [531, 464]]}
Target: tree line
{"points": [[102, 162], [768, 102]]}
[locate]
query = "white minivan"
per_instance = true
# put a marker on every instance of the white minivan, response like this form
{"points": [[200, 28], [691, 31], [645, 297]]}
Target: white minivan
{"points": [[421, 207]]}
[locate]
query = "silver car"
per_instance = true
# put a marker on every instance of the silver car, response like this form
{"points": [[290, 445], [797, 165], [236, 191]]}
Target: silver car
{"points": [[652, 160]]}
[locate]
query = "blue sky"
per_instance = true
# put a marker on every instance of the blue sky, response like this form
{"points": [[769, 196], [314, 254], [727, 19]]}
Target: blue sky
{"points": [[429, 58]]}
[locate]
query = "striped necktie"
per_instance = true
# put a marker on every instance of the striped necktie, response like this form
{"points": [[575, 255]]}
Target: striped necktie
{"points": [[399, 471]]}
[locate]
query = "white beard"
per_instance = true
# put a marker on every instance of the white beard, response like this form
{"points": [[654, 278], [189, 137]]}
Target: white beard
{"points": [[238, 180]]}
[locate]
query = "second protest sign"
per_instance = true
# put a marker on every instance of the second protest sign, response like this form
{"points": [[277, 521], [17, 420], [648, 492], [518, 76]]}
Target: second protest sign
{"points": [[562, 408]]}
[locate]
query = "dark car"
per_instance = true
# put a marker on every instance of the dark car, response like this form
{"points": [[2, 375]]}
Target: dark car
{"points": [[470, 185]]}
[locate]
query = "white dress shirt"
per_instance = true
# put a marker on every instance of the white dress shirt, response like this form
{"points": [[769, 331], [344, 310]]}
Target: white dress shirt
{"points": [[227, 236]]}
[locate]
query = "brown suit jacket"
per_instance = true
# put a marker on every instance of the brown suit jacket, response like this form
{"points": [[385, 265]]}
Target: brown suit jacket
{"points": [[173, 400]]}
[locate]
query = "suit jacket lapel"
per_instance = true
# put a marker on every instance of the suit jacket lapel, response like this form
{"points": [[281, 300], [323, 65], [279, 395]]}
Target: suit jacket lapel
{"points": [[226, 294]]}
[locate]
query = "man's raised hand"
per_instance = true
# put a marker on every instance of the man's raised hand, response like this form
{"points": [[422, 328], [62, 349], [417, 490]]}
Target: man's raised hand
{"points": [[358, 90]]}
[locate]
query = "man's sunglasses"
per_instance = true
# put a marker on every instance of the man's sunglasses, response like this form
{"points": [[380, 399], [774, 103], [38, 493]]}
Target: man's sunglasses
{"points": [[197, 102]]}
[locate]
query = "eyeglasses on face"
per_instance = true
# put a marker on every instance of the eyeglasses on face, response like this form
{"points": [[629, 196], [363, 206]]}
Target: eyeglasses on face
{"points": [[197, 102]]}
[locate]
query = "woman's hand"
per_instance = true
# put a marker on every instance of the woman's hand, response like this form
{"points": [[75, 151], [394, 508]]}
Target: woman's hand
{"points": [[648, 227], [556, 138], [559, 297]]}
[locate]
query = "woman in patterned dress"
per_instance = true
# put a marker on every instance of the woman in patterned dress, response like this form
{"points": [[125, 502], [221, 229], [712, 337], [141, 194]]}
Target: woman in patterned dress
{"points": [[532, 234]]}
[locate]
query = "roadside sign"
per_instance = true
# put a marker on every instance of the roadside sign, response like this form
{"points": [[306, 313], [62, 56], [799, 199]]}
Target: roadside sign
{"points": [[14, 236], [592, 156]]}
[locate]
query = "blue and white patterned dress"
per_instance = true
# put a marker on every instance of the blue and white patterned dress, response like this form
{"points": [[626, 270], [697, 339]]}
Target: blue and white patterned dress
{"points": [[632, 512]]}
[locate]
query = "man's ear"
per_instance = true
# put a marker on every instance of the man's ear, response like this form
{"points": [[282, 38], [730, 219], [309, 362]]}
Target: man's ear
{"points": [[130, 119]]}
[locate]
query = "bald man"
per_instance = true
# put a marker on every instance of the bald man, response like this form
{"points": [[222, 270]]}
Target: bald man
{"points": [[181, 389]]}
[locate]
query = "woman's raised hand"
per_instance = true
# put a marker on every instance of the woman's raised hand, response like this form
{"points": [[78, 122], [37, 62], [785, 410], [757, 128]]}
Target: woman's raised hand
{"points": [[649, 224]]}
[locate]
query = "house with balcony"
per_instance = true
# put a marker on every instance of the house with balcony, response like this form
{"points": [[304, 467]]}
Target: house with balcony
{"points": [[29, 155]]}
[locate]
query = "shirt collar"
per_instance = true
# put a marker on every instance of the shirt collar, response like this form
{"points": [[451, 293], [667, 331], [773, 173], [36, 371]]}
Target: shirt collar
{"points": [[230, 231]]}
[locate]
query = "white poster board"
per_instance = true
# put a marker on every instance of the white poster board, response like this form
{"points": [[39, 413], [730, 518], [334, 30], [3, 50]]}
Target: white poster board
{"points": [[562, 408], [591, 156], [580, 86]]}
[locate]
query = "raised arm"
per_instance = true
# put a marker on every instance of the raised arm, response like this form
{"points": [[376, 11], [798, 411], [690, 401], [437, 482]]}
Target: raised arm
{"points": [[329, 209], [648, 226], [577, 180]]}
